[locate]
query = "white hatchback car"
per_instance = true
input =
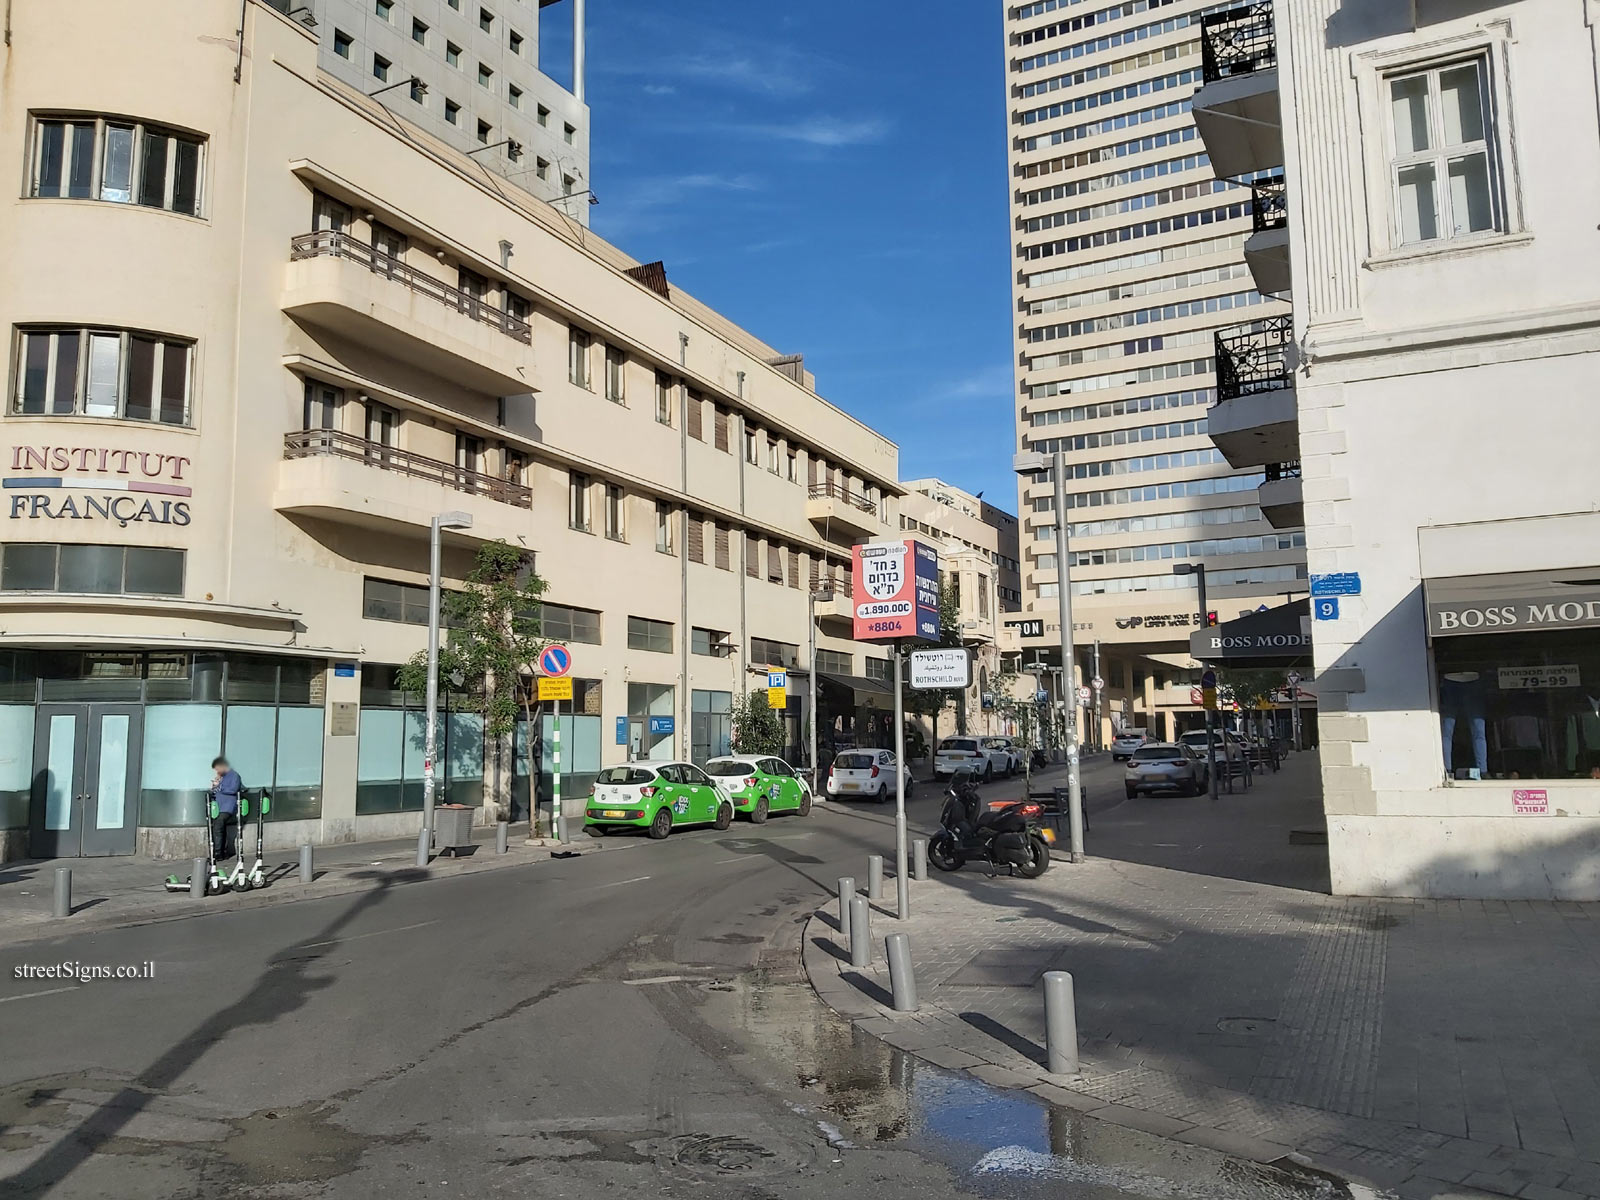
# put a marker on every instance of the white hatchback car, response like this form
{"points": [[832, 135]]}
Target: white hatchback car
{"points": [[1126, 742], [956, 754], [1013, 753], [865, 772]]}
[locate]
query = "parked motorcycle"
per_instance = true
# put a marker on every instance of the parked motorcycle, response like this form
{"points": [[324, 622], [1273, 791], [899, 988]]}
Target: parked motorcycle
{"points": [[1007, 835], [1040, 759]]}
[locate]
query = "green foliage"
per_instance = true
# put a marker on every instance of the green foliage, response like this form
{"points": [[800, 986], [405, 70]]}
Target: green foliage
{"points": [[1023, 710], [932, 702], [1248, 687], [757, 726]]}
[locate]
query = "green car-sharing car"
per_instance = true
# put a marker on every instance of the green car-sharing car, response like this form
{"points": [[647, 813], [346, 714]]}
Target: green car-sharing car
{"points": [[760, 785], [657, 797]]}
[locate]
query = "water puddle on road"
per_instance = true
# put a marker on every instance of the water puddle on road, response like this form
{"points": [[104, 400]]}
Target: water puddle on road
{"points": [[861, 1093]]}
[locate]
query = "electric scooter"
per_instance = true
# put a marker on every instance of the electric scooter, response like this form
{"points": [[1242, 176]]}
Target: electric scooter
{"points": [[214, 881], [240, 879]]}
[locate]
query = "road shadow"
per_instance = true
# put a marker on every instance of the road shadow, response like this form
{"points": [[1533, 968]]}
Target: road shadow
{"points": [[1026, 1047], [875, 992], [828, 947]]}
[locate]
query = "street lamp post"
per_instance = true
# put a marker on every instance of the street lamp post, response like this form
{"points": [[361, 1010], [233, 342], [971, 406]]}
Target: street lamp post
{"points": [[444, 520], [1029, 463], [1198, 570]]}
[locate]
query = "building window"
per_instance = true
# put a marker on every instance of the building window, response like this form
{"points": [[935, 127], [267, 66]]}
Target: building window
{"points": [[405, 603], [104, 373], [645, 634], [1443, 173], [485, 132], [97, 570], [514, 42], [663, 527], [772, 456], [663, 398], [750, 455], [835, 662], [578, 501], [543, 115], [419, 32], [578, 343], [568, 133], [794, 466], [562, 624], [711, 725], [322, 405], [881, 669], [567, 184], [485, 20], [514, 96], [712, 643], [384, 9], [455, 4], [541, 168], [452, 112], [765, 651], [380, 67], [342, 42], [616, 364], [452, 54], [86, 158], [485, 76], [615, 529]]}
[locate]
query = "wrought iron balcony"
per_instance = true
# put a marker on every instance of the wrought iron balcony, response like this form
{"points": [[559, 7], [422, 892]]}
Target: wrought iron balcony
{"points": [[309, 443], [1269, 204], [1276, 472], [856, 500], [1237, 41], [328, 243], [1255, 357]]}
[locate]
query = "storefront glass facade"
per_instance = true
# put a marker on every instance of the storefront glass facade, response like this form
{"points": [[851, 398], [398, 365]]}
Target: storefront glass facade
{"points": [[392, 740]]}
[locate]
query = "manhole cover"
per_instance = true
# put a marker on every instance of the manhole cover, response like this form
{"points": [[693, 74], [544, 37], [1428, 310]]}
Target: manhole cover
{"points": [[1246, 1024], [709, 1153]]}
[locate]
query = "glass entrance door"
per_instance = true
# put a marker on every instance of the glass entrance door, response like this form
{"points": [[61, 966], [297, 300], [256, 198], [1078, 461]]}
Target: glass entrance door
{"points": [[86, 779]]}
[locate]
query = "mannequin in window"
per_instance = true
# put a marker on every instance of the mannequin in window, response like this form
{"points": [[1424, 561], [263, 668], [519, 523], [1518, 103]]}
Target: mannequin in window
{"points": [[1461, 698]]}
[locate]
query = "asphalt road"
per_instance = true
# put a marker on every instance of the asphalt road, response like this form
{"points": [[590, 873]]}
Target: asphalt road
{"points": [[631, 1019]]}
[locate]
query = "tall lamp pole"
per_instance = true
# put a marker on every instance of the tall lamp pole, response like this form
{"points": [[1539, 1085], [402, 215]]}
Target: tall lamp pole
{"points": [[1030, 463], [444, 520], [1198, 570], [811, 602]]}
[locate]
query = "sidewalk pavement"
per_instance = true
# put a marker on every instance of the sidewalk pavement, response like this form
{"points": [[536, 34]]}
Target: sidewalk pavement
{"points": [[1442, 1048], [108, 892]]}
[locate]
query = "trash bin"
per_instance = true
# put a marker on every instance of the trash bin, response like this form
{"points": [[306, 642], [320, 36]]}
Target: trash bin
{"points": [[452, 828]]}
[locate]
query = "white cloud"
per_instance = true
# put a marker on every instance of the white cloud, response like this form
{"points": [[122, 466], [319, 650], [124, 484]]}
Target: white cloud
{"points": [[823, 130]]}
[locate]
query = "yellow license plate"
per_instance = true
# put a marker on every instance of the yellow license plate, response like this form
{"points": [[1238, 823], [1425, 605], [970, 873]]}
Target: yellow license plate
{"points": [[611, 812], [1049, 835]]}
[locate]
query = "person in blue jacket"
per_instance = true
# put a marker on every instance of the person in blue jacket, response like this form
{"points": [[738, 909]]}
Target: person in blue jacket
{"points": [[225, 789]]}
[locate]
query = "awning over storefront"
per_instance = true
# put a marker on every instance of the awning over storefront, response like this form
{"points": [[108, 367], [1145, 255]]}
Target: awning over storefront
{"points": [[1278, 637], [1529, 601], [860, 684]]}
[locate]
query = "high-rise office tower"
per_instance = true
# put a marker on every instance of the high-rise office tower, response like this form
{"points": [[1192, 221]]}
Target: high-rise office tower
{"points": [[1130, 258], [469, 73]]}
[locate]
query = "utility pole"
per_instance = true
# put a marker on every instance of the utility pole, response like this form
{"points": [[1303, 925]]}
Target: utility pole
{"points": [[1198, 570]]}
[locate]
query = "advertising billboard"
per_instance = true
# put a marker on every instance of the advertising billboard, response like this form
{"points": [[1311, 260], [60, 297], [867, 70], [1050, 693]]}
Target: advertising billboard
{"points": [[894, 590]]}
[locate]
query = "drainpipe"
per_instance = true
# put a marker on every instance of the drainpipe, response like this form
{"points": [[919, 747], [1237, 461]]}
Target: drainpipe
{"points": [[687, 741]]}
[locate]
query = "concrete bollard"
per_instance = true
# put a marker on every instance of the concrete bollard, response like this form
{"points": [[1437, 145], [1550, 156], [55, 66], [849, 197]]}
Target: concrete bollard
{"points": [[63, 906], [902, 982], [423, 848], [1060, 1024], [199, 876], [919, 859], [307, 870], [860, 932], [875, 877], [847, 890], [502, 837]]}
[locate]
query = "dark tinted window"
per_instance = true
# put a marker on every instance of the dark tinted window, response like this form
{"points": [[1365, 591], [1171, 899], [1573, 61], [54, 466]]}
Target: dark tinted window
{"points": [[729, 766], [853, 762], [1157, 754], [625, 775]]}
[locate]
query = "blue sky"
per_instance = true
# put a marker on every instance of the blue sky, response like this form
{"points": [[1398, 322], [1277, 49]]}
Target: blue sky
{"points": [[831, 176]]}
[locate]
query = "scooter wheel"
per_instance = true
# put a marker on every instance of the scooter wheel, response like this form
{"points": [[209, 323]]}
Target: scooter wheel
{"points": [[943, 857], [244, 885], [1038, 859]]}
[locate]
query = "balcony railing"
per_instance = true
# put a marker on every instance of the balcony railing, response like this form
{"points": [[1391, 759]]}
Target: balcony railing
{"points": [[309, 443], [1276, 472], [1255, 357], [1269, 204], [1238, 41], [840, 492], [328, 243]]}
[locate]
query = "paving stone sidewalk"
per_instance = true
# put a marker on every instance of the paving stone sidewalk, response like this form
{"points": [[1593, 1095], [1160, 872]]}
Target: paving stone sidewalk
{"points": [[108, 892], [1435, 1048]]}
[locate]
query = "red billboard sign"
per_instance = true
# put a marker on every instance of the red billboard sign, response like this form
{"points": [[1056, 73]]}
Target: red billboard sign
{"points": [[894, 590]]}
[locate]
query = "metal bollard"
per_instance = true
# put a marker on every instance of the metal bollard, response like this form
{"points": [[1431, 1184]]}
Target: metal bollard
{"points": [[199, 876], [502, 837], [919, 859], [423, 848], [1060, 1024], [847, 889], [875, 877], [902, 982], [307, 871], [63, 892], [860, 932]]}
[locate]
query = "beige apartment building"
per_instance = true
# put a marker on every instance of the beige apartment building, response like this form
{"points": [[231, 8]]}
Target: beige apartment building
{"points": [[1130, 259], [259, 334]]}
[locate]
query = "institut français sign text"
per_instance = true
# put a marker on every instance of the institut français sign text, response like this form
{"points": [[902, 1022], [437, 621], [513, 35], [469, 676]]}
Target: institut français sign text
{"points": [[96, 483]]}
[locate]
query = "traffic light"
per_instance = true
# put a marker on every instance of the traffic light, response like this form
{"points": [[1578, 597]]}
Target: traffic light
{"points": [[1211, 617]]}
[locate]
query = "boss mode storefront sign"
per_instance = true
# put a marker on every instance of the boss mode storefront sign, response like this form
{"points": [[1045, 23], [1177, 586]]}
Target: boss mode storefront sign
{"points": [[96, 483], [895, 590], [1575, 608]]}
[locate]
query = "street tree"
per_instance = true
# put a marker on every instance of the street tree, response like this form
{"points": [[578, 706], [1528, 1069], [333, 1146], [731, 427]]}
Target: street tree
{"points": [[492, 639], [757, 726]]}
